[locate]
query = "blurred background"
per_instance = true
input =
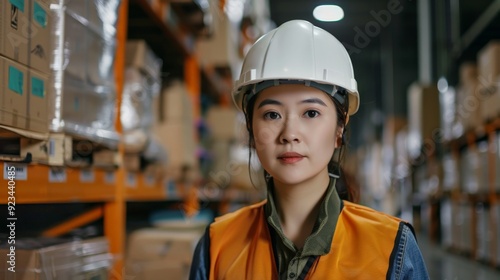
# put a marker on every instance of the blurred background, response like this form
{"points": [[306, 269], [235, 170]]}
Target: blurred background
{"points": [[120, 143]]}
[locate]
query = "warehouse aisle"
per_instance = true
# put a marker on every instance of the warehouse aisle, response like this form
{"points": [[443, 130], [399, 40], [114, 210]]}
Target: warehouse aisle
{"points": [[443, 265]]}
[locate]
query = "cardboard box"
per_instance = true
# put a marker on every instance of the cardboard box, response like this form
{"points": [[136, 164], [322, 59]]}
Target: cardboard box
{"points": [[38, 88], [223, 123], [40, 43], [178, 139], [469, 106], [150, 244], [153, 253], [157, 270], [14, 30], [468, 73], [139, 55], [489, 63], [423, 115], [221, 49], [489, 80], [490, 101], [174, 104], [14, 106]]}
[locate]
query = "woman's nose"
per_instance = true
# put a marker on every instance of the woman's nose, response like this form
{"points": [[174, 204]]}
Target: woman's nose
{"points": [[290, 133]]}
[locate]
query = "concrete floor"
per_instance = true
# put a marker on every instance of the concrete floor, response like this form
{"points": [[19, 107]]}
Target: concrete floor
{"points": [[443, 265]]}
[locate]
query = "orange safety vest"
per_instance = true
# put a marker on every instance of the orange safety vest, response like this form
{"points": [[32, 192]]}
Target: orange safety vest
{"points": [[364, 239]]}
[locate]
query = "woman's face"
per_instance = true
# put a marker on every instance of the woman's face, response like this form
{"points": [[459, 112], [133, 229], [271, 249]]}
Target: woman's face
{"points": [[295, 131]]}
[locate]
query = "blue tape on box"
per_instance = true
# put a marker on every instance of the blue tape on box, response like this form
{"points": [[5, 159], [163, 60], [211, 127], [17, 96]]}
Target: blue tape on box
{"points": [[37, 87], [18, 4], [40, 15], [16, 80]]}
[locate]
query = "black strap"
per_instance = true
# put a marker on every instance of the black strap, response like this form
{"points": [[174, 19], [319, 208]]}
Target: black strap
{"points": [[308, 266]]}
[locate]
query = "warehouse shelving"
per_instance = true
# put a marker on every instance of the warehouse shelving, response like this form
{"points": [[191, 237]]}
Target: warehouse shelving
{"points": [[113, 188]]}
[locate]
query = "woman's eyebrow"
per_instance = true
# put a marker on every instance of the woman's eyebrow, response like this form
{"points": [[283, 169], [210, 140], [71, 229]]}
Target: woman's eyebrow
{"points": [[315, 101], [269, 102]]}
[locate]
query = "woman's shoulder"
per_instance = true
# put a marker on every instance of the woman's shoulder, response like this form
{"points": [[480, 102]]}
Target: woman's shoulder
{"points": [[240, 214], [367, 215]]}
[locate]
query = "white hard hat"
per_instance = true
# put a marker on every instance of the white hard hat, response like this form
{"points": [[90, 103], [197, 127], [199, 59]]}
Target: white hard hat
{"points": [[298, 51]]}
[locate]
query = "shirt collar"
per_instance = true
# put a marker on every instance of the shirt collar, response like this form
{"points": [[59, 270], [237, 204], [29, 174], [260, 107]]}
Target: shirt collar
{"points": [[319, 242]]}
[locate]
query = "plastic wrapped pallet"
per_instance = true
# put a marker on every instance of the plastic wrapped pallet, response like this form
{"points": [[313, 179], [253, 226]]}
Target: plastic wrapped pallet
{"points": [[447, 100], [470, 171], [484, 233], [450, 172], [84, 93], [59, 259], [465, 222], [143, 78], [446, 223]]}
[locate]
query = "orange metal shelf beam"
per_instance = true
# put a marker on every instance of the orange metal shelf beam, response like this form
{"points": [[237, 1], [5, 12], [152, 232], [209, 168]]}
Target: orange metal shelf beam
{"points": [[75, 222], [115, 211], [38, 188], [144, 189]]}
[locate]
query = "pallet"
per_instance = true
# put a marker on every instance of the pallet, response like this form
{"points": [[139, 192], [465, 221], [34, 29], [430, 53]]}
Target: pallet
{"points": [[54, 149]]}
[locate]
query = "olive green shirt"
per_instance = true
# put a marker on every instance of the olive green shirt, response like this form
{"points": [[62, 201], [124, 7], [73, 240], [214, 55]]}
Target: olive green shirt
{"points": [[290, 260]]}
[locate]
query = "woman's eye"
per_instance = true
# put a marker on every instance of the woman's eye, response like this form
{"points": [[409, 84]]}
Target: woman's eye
{"points": [[272, 115], [312, 114]]}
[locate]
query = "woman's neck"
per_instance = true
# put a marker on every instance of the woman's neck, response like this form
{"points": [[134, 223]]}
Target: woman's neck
{"points": [[298, 206]]}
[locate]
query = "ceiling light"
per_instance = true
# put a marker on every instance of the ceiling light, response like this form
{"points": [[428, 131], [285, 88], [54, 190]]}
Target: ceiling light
{"points": [[328, 13]]}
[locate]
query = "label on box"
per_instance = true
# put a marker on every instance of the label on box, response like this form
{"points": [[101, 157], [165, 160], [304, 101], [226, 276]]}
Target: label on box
{"points": [[37, 87], [109, 177], [52, 147], [131, 180], [57, 175], [149, 180], [40, 15], [18, 4], [19, 171], [87, 176], [16, 80]]}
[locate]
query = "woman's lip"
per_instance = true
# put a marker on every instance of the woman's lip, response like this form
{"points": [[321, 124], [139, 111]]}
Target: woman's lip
{"points": [[290, 155], [289, 160]]}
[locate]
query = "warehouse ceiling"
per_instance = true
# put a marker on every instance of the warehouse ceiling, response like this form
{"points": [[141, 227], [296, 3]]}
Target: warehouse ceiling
{"points": [[382, 38]]}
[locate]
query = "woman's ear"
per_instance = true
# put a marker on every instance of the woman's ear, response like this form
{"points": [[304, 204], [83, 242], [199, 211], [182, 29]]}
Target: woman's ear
{"points": [[339, 137]]}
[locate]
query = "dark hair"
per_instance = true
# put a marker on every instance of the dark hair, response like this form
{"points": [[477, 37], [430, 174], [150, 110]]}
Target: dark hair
{"points": [[345, 191]]}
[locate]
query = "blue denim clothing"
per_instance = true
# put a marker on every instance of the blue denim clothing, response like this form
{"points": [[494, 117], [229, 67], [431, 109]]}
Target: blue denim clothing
{"points": [[408, 262]]}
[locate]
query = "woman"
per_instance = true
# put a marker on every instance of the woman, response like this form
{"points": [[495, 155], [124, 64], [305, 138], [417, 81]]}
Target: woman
{"points": [[297, 90]]}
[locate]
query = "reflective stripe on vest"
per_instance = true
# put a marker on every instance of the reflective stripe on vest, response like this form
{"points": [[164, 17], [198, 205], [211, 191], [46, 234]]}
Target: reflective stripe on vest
{"points": [[241, 248]]}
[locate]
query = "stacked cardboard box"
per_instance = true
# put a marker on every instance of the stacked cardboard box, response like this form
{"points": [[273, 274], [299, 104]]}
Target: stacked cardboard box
{"points": [[174, 128], [469, 103], [25, 57], [155, 253], [423, 116], [489, 80]]}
